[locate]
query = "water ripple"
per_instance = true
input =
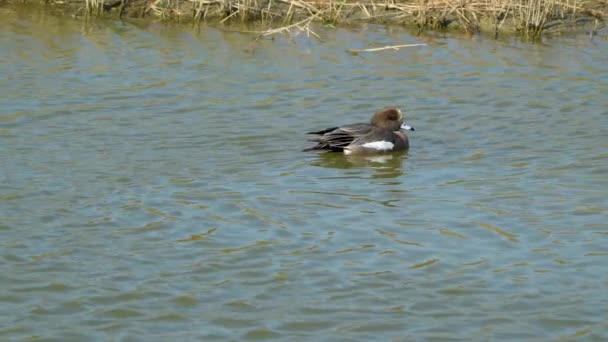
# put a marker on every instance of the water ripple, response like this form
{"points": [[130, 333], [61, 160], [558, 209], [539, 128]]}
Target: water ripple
{"points": [[153, 188]]}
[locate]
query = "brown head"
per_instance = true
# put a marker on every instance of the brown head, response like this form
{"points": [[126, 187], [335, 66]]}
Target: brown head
{"points": [[389, 118]]}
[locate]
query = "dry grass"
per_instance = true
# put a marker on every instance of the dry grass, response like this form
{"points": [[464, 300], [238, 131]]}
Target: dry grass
{"points": [[529, 18]]}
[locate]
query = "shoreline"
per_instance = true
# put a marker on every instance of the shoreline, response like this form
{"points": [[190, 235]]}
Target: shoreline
{"points": [[527, 19]]}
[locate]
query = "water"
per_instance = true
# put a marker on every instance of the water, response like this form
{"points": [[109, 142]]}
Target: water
{"points": [[153, 188]]}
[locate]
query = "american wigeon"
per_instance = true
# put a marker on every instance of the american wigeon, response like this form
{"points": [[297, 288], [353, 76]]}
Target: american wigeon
{"points": [[384, 133]]}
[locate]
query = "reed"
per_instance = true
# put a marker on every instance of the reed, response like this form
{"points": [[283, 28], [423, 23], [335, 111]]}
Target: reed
{"points": [[94, 7], [534, 15], [528, 18]]}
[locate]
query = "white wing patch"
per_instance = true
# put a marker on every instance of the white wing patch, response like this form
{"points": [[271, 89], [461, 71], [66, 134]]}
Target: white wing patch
{"points": [[379, 145]]}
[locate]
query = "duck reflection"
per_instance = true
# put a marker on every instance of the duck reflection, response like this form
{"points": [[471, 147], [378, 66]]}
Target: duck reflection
{"points": [[386, 165]]}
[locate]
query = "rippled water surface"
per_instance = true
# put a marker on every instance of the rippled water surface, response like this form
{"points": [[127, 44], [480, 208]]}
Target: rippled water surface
{"points": [[153, 186]]}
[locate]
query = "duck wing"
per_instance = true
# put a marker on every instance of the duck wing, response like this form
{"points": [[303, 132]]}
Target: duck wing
{"points": [[336, 138]]}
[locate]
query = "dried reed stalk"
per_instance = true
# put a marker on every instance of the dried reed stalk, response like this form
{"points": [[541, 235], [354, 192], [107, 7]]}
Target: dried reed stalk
{"points": [[302, 26], [388, 47]]}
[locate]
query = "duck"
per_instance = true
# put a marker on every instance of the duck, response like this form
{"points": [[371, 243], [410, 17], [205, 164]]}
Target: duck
{"points": [[384, 133]]}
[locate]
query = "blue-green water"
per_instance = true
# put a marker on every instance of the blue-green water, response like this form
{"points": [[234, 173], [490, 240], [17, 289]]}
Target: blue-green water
{"points": [[153, 188]]}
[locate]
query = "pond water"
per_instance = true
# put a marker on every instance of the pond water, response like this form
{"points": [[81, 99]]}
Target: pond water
{"points": [[153, 186]]}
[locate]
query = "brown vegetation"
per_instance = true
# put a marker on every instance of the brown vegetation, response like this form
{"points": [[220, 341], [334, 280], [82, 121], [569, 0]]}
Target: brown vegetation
{"points": [[529, 18]]}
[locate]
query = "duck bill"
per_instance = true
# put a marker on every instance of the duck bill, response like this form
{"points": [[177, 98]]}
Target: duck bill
{"points": [[407, 127]]}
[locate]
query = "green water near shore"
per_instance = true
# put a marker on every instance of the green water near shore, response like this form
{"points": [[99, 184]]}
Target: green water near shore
{"points": [[153, 186]]}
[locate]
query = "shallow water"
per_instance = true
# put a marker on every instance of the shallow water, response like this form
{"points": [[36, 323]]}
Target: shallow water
{"points": [[153, 188]]}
